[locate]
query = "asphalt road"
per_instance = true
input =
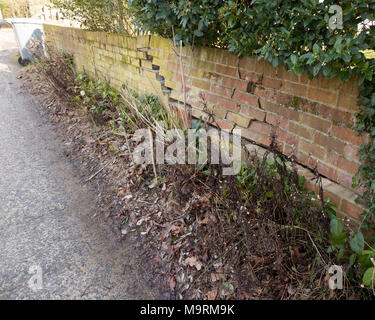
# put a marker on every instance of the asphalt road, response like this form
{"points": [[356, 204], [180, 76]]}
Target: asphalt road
{"points": [[50, 246]]}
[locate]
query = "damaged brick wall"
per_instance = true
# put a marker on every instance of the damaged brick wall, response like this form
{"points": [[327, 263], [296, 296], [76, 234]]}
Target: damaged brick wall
{"points": [[313, 119]]}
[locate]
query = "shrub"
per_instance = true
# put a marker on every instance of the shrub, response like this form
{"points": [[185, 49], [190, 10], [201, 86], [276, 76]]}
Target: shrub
{"points": [[196, 22], [97, 15]]}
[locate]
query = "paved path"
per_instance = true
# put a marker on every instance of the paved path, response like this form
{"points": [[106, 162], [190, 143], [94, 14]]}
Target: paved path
{"points": [[46, 214]]}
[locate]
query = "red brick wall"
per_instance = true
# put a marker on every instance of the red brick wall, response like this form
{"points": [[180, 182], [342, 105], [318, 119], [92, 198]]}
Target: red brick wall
{"points": [[312, 119]]}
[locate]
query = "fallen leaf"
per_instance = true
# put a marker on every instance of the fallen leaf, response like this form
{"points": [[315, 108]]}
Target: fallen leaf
{"points": [[193, 262], [211, 295], [172, 283]]}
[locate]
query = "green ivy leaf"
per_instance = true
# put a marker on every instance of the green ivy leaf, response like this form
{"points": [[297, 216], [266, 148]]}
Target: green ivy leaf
{"points": [[368, 278], [336, 226], [357, 242]]}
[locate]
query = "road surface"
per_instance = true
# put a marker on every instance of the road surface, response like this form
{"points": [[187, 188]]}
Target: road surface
{"points": [[50, 247]]}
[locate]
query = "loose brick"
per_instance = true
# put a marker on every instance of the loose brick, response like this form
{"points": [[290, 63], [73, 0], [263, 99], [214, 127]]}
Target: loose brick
{"points": [[279, 109], [246, 98], [222, 124], [253, 113], [256, 136], [241, 120], [226, 103]]}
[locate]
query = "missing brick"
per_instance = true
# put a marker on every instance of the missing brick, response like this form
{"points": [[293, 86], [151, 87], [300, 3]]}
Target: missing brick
{"points": [[251, 86]]}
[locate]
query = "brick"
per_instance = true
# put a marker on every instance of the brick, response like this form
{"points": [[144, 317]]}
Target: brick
{"points": [[201, 84], [351, 209], [250, 76], [348, 135], [222, 124], [256, 137], [347, 87], [301, 131], [277, 121], [315, 122], [312, 149], [272, 83], [253, 113], [286, 137], [218, 111], [288, 150], [283, 98], [268, 94], [323, 96], [279, 109], [306, 160], [329, 143], [295, 89], [327, 171], [235, 84], [342, 163], [290, 76], [199, 113], [261, 127], [226, 103], [339, 116], [351, 152], [229, 71], [304, 79], [241, 120], [335, 198], [220, 90], [347, 102], [330, 84], [270, 71], [247, 63], [345, 179], [246, 98]]}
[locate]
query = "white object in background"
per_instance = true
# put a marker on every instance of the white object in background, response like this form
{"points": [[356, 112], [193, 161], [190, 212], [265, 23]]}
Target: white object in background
{"points": [[29, 36]]}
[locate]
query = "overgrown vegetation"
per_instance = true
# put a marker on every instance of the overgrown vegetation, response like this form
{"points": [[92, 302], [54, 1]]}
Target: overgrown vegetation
{"points": [[257, 234], [297, 36], [97, 15]]}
